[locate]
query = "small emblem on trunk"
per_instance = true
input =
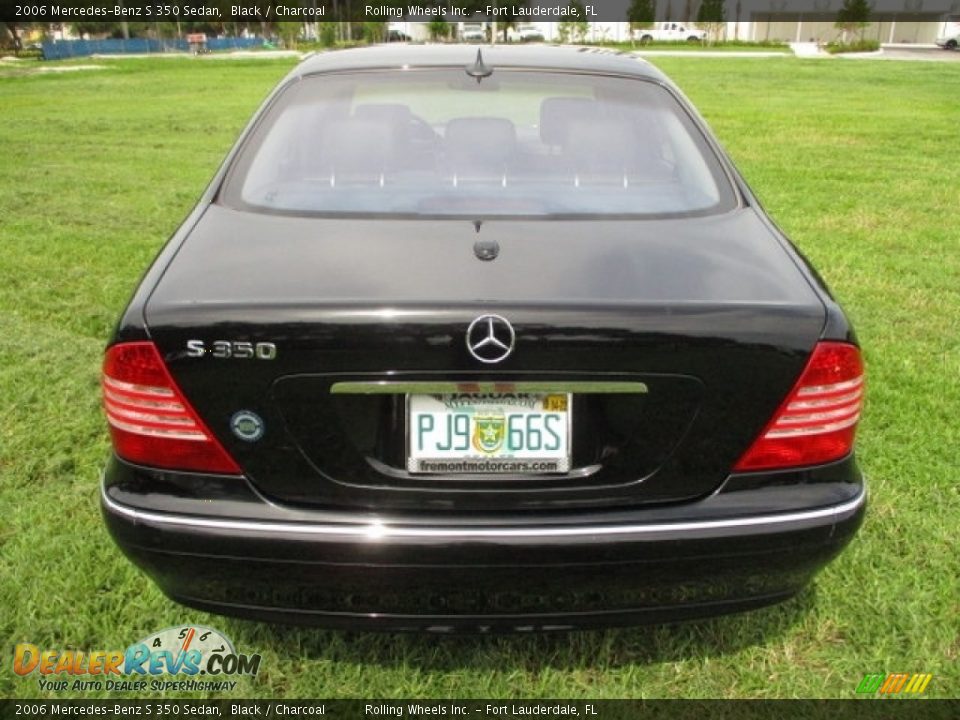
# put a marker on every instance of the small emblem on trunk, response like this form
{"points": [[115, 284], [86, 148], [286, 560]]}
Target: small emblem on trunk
{"points": [[488, 432], [247, 425], [486, 249], [490, 338]]}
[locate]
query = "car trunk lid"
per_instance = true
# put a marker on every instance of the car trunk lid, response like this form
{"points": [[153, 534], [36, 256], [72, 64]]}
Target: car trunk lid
{"points": [[710, 315]]}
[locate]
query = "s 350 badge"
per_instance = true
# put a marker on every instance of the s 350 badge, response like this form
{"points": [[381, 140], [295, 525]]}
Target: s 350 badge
{"points": [[227, 349]]}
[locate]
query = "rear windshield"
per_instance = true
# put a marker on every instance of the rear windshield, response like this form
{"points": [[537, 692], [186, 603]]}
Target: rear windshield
{"points": [[517, 143]]}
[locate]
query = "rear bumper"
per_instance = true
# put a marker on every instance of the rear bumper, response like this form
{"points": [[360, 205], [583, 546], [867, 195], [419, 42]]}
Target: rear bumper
{"points": [[418, 573]]}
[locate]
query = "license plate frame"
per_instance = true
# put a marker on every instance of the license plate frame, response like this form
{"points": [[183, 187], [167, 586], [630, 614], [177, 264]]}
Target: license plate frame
{"points": [[497, 412]]}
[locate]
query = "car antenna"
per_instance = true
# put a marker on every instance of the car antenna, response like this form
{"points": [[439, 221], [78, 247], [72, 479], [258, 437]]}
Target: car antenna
{"points": [[478, 70]]}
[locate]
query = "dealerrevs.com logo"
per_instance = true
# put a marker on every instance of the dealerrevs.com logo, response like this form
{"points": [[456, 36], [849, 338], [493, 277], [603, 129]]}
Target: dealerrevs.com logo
{"points": [[178, 658]]}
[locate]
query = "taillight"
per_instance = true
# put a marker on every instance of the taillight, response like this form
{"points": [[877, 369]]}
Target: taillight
{"points": [[818, 420], [151, 422]]}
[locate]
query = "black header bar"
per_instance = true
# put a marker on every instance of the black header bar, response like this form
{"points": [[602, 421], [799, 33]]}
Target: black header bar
{"points": [[507, 11]]}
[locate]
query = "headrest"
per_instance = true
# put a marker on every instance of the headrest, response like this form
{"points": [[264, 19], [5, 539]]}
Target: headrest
{"points": [[481, 137], [557, 113], [355, 147], [601, 146]]}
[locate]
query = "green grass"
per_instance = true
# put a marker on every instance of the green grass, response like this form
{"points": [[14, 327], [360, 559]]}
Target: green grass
{"points": [[857, 161]]}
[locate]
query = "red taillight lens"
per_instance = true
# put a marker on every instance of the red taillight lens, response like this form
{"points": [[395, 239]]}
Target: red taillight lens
{"points": [[151, 422], [818, 420]]}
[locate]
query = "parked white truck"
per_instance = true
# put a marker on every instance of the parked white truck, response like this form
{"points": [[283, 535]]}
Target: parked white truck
{"points": [[475, 32], [671, 32], [525, 33], [949, 37]]}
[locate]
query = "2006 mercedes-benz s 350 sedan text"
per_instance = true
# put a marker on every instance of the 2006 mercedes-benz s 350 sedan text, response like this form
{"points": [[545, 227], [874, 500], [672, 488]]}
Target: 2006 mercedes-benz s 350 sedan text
{"points": [[480, 340]]}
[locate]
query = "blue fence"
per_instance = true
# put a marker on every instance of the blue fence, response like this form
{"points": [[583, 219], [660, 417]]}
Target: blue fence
{"points": [[60, 49]]}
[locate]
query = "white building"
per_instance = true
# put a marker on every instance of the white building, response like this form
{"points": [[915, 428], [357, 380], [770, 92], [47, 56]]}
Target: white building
{"points": [[891, 22]]}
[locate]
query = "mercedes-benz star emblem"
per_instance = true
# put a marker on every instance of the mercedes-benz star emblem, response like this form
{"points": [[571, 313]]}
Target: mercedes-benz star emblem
{"points": [[490, 338]]}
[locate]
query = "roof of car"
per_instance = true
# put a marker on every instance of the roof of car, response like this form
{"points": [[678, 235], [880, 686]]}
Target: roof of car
{"points": [[396, 55]]}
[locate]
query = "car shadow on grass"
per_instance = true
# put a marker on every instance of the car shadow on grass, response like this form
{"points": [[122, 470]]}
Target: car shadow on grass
{"points": [[597, 649]]}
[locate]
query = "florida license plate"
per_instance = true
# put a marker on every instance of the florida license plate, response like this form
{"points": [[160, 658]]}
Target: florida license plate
{"points": [[526, 433]]}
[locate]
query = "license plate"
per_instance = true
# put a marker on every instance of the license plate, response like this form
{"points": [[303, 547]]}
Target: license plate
{"points": [[489, 433]]}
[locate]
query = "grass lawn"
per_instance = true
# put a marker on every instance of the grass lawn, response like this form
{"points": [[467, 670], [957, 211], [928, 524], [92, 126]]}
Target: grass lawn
{"points": [[856, 160]]}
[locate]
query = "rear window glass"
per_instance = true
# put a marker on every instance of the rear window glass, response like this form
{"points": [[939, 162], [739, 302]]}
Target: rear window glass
{"points": [[437, 142]]}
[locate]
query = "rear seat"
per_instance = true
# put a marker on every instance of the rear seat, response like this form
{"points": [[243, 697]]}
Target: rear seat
{"points": [[584, 141], [558, 113], [480, 149], [597, 142], [354, 151]]}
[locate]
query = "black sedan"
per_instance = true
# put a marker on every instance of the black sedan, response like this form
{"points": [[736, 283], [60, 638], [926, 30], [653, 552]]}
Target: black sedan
{"points": [[494, 340]]}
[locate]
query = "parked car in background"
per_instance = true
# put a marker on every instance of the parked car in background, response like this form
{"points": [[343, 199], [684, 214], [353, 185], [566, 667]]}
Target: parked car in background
{"points": [[473, 32], [671, 32], [495, 339], [525, 33], [951, 39]]}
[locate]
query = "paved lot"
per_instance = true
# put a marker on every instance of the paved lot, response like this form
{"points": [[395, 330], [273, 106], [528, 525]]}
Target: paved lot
{"points": [[713, 53], [933, 54], [810, 50]]}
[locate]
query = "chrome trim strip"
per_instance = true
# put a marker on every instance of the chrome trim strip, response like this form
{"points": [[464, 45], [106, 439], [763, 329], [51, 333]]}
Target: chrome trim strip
{"points": [[399, 387], [806, 418], [138, 402], [142, 389], [779, 431], [377, 531], [832, 388], [826, 402], [162, 418], [169, 433]]}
